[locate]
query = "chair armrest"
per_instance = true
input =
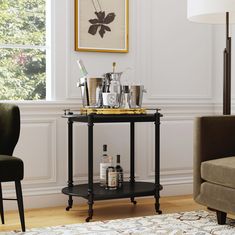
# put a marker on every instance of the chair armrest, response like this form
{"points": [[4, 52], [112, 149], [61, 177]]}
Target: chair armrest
{"points": [[214, 137]]}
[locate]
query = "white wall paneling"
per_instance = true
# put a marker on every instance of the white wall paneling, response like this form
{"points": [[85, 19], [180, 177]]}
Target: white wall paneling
{"points": [[116, 136], [43, 147], [169, 55], [176, 152], [177, 46], [37, 148]]}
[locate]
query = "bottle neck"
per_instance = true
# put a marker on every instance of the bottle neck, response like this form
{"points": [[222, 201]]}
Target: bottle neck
{"points": [[118, 160]]}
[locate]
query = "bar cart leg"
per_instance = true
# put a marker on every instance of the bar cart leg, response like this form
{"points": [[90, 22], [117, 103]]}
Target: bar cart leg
{"points": [[157, 205], [90, 204], [132, 153], [70, 162], [157, 163], [90, 168], [70, 203]]}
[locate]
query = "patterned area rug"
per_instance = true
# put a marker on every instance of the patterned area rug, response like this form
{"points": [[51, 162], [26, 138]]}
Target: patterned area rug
{"points": [[191, 223]]}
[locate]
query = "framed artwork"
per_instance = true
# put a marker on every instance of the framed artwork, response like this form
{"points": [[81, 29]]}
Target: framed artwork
{"points": [[101, 25]]}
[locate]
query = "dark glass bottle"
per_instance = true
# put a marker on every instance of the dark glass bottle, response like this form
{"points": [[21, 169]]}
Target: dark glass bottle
{"points": [[111, 178], [119, 171]]}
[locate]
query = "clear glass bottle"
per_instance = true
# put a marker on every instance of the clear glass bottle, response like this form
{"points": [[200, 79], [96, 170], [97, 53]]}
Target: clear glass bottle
{"points": [[119, 171], [105, 162]]}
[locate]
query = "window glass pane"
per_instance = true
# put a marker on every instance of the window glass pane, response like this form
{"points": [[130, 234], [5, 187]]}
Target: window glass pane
{"points": [[23, 22], [22, 74]]}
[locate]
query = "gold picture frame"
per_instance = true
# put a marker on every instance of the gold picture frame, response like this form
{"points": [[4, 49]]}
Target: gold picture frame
{"points": [[102, 25]]}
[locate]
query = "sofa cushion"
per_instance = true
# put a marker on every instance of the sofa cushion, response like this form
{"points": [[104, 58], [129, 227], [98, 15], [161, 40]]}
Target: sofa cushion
{"points": [[220, 171]]}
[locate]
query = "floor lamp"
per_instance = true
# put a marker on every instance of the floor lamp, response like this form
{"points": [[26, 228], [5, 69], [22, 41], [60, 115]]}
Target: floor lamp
{"points": [[217, 12]]}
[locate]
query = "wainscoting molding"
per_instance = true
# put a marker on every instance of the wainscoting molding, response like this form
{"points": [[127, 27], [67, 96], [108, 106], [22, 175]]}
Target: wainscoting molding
{"points": [[45, 188], [36, 155]]}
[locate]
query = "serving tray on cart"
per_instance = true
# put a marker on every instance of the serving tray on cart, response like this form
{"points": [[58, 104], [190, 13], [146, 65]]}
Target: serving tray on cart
{"points": [[113, 111]]}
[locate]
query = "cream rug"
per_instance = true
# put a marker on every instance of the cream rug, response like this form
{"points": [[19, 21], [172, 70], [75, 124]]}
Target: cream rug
{"points": [[191, 223]]}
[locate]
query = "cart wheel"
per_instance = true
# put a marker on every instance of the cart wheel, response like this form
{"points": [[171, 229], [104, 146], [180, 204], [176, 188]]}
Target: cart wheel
{"points": [[134, 202]]}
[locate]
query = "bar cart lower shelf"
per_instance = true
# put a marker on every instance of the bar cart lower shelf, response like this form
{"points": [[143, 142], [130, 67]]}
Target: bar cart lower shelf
{"points": [[92, 191], [137, 189]]}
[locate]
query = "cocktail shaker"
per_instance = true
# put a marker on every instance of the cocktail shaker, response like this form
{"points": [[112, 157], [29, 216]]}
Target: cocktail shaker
{"points": [[125, 97]]}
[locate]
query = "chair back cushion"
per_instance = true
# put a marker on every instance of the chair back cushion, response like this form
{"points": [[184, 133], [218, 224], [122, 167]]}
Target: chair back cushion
{"points": [[9, 128]]}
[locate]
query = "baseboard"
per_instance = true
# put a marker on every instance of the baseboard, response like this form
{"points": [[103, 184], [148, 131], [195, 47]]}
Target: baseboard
{"points": [[44, 198], [177, 190]]}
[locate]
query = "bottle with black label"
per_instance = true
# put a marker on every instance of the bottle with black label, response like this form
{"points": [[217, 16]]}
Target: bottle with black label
{"points": [[105, 162], [111, 178], [119, 171]]}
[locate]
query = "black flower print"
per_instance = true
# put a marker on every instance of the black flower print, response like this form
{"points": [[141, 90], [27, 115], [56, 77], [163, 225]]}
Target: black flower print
{"points": [[102, 21]]}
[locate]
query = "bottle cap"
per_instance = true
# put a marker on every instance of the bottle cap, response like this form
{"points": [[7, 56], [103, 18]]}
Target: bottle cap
{"points": [[105, 147]]}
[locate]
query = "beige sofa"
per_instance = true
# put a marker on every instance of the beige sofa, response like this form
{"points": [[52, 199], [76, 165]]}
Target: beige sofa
{"points": [[214, 164]]}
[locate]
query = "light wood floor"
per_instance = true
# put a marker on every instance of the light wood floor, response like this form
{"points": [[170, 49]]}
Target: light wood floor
{"points": [[103, 210]]}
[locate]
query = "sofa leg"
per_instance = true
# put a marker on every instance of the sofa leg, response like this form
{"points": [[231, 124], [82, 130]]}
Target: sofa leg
{"points": [[221, 217]]}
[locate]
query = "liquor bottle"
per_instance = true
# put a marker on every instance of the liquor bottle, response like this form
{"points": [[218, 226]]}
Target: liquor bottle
{"points": [[111, 178], [106, 161], [119, 171]]}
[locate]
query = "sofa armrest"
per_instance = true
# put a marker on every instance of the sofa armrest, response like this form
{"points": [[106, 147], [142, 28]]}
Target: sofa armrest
{"points": [[214, 137]]}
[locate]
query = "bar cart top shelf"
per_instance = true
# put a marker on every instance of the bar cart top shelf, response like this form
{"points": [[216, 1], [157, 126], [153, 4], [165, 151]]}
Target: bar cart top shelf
{"points": [[105, 118]]}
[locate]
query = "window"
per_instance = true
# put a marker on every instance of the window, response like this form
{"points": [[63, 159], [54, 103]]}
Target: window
{"points": [[23, 49]]}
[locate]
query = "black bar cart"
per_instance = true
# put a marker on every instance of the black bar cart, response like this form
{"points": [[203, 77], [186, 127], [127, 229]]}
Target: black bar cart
{"points": [[132, 189]]}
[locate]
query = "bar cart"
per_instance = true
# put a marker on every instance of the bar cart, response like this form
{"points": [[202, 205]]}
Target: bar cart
{"points": [[132, 189]]}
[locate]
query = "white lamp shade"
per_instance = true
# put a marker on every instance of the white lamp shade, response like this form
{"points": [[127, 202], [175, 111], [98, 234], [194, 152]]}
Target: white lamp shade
{"points": [[211, 11]]}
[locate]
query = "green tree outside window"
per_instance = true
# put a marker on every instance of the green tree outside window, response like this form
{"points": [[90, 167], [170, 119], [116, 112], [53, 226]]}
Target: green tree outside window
{"points": [[22, 49]]}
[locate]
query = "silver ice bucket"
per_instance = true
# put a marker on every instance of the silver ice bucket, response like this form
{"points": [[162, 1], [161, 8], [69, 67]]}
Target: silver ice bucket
{"points": [[136, 96], [91, 91]]}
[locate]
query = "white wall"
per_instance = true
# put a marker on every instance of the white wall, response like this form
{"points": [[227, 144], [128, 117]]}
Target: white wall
{"points": [[169, 55]]}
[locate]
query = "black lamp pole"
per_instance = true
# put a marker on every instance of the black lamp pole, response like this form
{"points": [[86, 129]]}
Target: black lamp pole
{"points": [[227, 71]]}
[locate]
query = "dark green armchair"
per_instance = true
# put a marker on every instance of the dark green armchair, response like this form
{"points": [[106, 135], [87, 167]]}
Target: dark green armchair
{"points": [[214, 164], [11, 168]]}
